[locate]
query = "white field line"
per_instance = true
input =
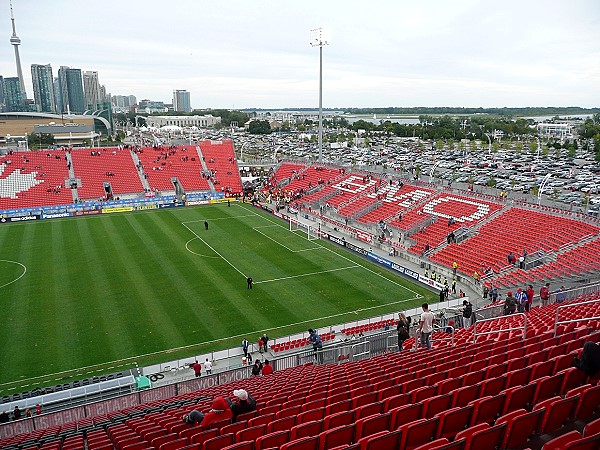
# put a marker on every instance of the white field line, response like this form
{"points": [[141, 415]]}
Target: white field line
{"points": [[19, 277], [417, 295], [279, 243], [131, 360], [216, 252], [306, 274]]}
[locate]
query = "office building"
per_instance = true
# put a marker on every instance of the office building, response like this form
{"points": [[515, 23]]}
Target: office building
{"points": [[91, 89], [71, 90], [14, 96], [43, 88], [181, 101], [2, 97]]}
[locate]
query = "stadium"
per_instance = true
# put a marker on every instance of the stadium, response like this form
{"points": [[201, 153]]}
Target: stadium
{"points": [[122, 267]]}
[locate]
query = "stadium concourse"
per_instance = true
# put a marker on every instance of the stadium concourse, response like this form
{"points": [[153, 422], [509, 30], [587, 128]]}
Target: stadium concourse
{"points": [[506, 382]]}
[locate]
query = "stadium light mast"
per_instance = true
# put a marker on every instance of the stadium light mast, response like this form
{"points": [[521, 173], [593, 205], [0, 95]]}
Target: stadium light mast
{"points": [[318, 38]]}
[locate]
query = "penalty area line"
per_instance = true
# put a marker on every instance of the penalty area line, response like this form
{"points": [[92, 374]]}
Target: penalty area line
{"points": [[306, 274]]}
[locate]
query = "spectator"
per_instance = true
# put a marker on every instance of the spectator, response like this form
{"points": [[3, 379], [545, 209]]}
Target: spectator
{"points": [[590, 359], [38, 409], [4, 417], [467, 313], [16, 413], [426, 326], [560, 295], [265, 340], [494, 294], [245, 347], [521, 298], [317, 344], [510, 304], [257, 368], [267, 368], [219, 411], [242, 403], [208, 367], [197, 369], [530, 293], [545, 294], [402, 329]]}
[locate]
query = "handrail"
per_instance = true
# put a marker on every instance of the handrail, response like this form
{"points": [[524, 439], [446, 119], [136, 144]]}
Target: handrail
{"points": [[438, 329], [580, 319], [524, 327]]}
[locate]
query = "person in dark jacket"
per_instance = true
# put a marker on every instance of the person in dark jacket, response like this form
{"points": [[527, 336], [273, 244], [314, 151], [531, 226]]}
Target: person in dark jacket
{"points": [[242, 403], [317, 344], [257, 368], [590, 359]]}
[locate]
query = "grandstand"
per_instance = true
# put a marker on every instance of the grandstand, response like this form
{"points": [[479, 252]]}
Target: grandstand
{"points": [[505, 382], [495, 388]]}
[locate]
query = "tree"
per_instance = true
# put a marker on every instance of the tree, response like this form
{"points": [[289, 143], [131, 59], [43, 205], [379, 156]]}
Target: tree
{"points": [[40, 140], [259, 127]]}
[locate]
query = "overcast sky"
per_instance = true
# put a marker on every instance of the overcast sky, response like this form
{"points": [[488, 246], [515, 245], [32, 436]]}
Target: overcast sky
{"points": [[240, 54]]}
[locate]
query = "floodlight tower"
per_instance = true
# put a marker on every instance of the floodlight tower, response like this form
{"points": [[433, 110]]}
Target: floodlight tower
{"points": [[318, 39], [15, 41]]}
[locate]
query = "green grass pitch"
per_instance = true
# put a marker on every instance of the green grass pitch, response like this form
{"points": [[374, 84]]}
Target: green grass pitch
{"points": [[98, 293]]}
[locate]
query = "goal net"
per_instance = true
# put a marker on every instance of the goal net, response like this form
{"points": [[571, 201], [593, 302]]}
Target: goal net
{"points": [[311, 230]]}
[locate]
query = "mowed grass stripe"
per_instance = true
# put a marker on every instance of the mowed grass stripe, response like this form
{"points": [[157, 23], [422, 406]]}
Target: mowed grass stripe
{"points": [[121, 286]]}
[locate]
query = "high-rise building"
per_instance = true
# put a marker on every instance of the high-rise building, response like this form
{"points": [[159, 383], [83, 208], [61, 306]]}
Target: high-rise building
{"points": [[14, 96], [71, 89], [15, 41], [181, 101], [57, 96], [2, 96], [43, 88], [91, 89]]}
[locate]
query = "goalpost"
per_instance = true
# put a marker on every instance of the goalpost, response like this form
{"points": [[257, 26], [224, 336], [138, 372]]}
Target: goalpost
{"points": [[311, 230]]}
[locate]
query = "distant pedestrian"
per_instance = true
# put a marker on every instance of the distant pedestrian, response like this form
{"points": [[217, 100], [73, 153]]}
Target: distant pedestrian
{"points": [[208, 367], [228, 204], [205, 225], [426, 326], [545, 294], [245, 347], [197, 369], [265, 340], [402, 329], [560, 295], [249, 281], [267, 368], [317, 344], [257, 368]]}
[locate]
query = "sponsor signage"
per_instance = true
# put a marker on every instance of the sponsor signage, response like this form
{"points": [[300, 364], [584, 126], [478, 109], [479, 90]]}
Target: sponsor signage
{"points": [[117, 210], [386, 262], [87, 213], [56, 215], [365, 237], [147, 206], [19, 219]]}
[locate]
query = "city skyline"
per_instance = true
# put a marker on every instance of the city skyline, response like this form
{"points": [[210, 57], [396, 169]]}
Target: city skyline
{"points": [[237, 55]]}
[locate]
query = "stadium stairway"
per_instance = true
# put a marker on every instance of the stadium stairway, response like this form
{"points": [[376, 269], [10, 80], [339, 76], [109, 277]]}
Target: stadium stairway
{"points": [[505, 392]]}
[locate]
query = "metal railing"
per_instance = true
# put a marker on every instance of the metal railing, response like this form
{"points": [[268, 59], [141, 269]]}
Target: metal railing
{"points": [[433, 338], [503, 330], [579, 319]]}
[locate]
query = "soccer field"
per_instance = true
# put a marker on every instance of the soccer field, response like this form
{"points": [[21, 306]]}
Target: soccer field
{"points": [[101, 292]]}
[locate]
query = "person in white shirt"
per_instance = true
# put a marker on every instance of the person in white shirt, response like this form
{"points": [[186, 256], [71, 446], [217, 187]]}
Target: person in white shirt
{"points": [[426, 326], [208, 367]]}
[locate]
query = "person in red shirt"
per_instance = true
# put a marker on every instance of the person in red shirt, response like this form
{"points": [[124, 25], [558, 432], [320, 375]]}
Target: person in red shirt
{"points": [[197, 368], [530, 293], [545, 294], [267, 368]]}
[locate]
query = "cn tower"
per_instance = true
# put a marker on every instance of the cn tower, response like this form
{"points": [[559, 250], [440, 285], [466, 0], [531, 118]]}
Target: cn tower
{"points": [[15, 41]]}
